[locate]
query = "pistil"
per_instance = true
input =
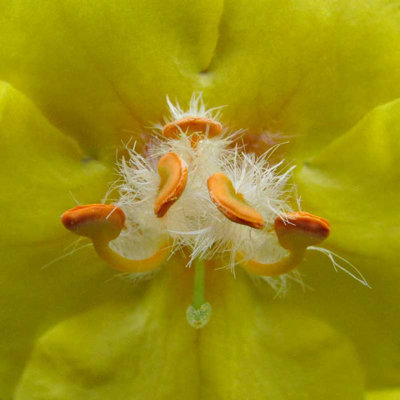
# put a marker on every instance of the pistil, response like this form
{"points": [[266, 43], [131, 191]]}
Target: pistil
{"points": [[198, 314]]}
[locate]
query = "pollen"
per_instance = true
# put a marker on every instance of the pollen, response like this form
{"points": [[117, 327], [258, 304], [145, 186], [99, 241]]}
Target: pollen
{"points": [[232, 204], [173, 172]]}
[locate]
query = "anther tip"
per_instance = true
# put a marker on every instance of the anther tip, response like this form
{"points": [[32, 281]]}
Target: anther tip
{"points": [[95, 221], [191, 125], [301, 229]]}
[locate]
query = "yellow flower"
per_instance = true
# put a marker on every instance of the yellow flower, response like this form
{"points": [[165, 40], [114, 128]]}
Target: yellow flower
{"points": [[80, 78]]}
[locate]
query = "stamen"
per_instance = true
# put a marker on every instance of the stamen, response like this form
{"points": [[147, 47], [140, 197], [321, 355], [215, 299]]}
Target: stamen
{"points": [[191, 125], [173, 172], [198, 314], [296, 231], [103, 223], [232, 204]]}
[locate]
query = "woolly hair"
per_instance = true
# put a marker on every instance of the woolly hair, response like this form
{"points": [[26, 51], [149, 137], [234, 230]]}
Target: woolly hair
{"points": [[194, 223]]}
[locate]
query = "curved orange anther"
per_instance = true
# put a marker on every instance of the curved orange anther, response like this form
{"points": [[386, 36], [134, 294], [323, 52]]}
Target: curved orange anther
{"points": [[296, 231], [301, 229], [96, 221], [232, 204], [173, 172], [207, 126], [103, 223]]}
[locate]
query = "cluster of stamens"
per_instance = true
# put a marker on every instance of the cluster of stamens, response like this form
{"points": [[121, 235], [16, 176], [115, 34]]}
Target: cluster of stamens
{"points": [[189, 197]]}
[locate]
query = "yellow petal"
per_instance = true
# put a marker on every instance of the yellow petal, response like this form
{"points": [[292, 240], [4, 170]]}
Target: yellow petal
{"points": [[354, 183], [143, 348], [384, 395], [258, 348], [41, 171], [101, 70], [309, 68]]}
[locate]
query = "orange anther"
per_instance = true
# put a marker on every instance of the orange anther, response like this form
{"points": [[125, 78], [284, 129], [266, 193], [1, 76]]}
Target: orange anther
{"points": [[191, 125], [102, 222], [301, 229], [173, 172], [295, 232], [232, 204]]}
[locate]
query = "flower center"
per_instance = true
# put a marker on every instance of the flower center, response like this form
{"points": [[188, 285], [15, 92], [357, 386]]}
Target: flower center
{"points": [[198, 191]]}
